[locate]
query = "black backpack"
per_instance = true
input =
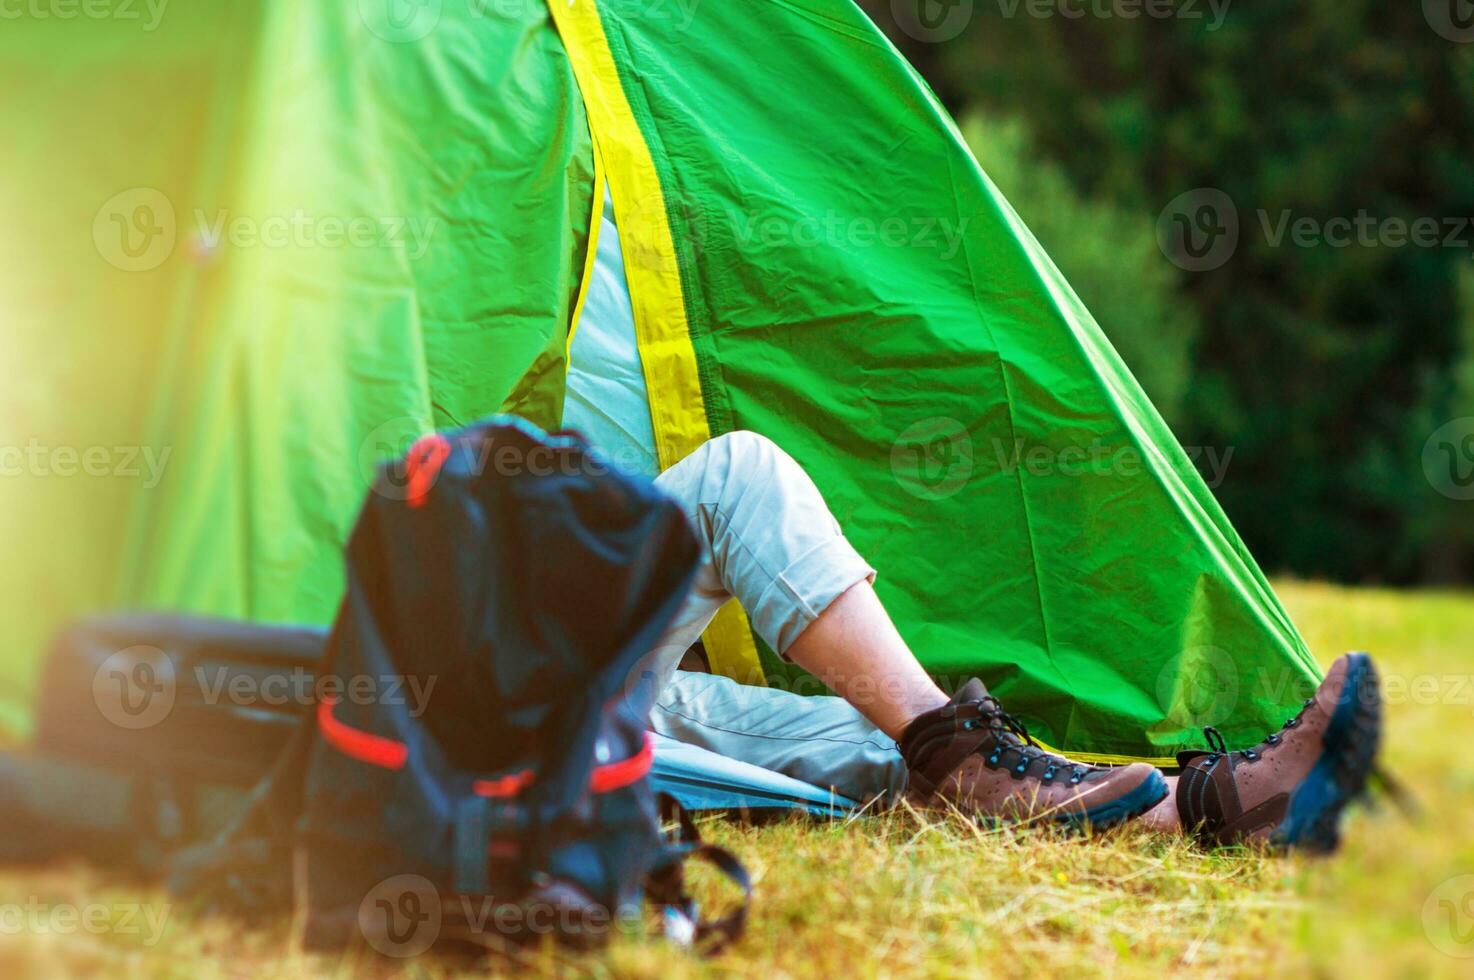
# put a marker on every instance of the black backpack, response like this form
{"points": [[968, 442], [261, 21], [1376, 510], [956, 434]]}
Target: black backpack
{"points": [[514, 580]]}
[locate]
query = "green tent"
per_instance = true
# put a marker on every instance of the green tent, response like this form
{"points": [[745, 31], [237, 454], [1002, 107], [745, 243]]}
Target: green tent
{"points": [[252, 248]]}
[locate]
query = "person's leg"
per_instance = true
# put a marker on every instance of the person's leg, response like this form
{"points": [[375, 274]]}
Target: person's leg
{"points": [[788, 543], [1163, 817], [854, 648], [769, 540], [821, 740]]}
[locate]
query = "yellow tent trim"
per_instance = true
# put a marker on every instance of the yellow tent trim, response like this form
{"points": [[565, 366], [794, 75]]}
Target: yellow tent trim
{"points": [[1105, 759], [652, 272]]}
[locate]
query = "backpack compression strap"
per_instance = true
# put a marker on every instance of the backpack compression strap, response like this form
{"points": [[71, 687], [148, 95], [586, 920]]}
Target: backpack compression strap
{"points": [[680, 915]]}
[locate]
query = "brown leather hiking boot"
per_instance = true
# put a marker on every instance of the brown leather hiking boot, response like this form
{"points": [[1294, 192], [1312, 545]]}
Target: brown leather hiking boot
{"points": [[972, 754], [1291, 789]]}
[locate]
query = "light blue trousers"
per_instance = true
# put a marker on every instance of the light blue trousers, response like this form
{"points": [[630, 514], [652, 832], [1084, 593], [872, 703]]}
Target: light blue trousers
{"points": [[768, 540]]}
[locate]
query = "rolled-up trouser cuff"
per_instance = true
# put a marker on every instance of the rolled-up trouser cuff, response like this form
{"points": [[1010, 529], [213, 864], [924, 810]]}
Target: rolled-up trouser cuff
{"points": [[767, 538], [804, 589]]}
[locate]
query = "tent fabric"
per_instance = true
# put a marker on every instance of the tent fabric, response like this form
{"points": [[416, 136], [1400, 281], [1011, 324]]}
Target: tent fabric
{"points": [[810, 250], [865, 297], [360, 238], [607, 400]]}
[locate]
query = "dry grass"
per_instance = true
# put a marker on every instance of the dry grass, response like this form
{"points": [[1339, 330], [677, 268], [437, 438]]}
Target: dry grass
{"points": [[901, 895]]}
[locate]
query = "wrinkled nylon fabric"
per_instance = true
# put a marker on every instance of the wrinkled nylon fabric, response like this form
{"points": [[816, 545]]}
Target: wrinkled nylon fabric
{"points": [[858, 291], [855, 289], [276, 363]]}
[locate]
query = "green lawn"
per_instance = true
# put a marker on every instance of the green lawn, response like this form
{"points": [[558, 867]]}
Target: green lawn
{"points": [[899, 895]]}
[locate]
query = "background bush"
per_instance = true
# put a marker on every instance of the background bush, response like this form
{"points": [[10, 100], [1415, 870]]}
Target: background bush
{"points": [[1325, 368]]}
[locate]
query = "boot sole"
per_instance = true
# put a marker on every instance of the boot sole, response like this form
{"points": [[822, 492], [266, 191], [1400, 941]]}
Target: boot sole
{"points": [[1153, 790], [1313, 820]]}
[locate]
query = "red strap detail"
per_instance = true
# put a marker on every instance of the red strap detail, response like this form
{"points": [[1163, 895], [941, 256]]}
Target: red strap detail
{"points": [[617, 775], [422, 465], [376, 750], [505, 786], [387, 753]]}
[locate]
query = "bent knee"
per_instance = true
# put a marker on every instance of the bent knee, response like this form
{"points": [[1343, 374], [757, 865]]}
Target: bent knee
{"points": [[730, 463], [742, 442], [744, 451]]}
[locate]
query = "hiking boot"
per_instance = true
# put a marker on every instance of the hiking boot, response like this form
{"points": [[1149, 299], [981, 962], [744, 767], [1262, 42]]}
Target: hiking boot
{"points": [[975, 756], [1290, 789]]}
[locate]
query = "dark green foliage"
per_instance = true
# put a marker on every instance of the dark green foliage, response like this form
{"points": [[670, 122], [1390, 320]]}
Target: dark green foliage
{"points": [[1326, 367]]}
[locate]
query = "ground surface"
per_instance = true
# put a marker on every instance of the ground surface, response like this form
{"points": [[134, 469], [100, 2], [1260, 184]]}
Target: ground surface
{"points": [[899, 896]]}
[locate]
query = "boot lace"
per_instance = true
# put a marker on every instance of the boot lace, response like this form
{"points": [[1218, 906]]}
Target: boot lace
{"points": [[1014, 734], [1383, 780], [1218, 747]]}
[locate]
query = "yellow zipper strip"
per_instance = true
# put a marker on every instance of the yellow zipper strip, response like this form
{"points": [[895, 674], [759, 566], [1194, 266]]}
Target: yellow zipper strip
{"points": [[652, 272]]}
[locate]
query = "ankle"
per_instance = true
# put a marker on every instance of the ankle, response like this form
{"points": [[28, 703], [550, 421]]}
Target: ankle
{"points": [[926, 731], [1164, 817], [917, 708], [896, 711]]}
